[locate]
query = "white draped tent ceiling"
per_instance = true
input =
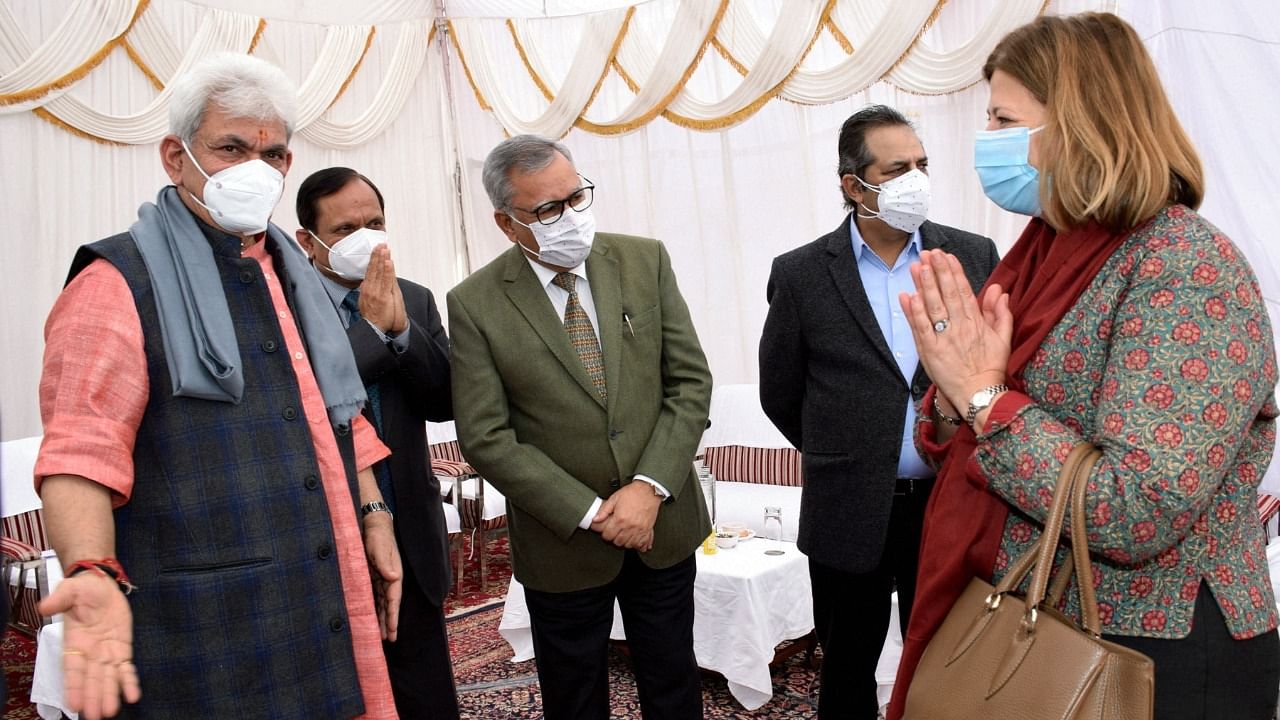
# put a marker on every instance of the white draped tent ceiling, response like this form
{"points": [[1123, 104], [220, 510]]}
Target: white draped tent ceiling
{"points": [[710, 124]]}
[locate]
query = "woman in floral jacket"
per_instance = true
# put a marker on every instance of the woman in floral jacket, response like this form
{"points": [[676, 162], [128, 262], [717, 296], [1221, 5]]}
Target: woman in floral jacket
{"points": [[1123, 318]]}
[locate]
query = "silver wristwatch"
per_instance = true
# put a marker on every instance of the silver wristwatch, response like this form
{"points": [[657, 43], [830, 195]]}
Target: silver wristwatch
{"points": [[980, 400]]}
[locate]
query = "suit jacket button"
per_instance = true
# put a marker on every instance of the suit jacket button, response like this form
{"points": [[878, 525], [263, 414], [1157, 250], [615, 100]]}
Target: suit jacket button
{"points": [[270, 346], [310, 482], [342, 430], [613, 434], [289, 413], [323, 552], [246, 277], [615, 482], [336, 624]]}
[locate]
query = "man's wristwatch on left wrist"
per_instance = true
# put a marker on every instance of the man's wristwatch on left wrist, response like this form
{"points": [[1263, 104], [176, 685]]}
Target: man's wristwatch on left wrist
{"points": [[369, 508], [981, 400]]}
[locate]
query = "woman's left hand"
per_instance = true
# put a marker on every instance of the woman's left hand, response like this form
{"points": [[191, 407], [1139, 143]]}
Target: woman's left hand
{"points": [[963, 344]]}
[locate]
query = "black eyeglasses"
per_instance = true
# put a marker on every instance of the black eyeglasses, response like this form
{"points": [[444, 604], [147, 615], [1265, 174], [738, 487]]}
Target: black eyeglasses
{"points": [[548, 213]]}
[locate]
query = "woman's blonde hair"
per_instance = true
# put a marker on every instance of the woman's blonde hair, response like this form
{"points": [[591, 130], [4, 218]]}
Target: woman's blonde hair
{"points": [[1112, 150]]}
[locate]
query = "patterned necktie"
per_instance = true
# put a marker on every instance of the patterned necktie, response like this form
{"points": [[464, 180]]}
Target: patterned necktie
{"points": [[383, 475], [581, 335]]}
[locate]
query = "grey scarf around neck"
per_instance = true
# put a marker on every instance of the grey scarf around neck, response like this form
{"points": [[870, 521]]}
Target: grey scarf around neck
{"points": [[195, 322]]}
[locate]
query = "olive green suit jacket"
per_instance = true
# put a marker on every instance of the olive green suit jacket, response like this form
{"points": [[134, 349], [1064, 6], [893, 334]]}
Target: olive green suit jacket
{"points": [[530, 421]]}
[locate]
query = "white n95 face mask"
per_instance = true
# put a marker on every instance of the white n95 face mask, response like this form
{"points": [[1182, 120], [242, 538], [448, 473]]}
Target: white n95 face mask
{"points": [[241, 198], [904, 201], [349, 257], [567, 242]]}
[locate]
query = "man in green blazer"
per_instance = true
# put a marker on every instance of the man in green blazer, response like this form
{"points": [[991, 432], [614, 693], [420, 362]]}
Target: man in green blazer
{"points": [[580, 391]]}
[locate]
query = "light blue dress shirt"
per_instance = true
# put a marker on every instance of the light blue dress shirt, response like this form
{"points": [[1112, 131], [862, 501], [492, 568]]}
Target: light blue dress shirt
{"points": [[882, 285]]}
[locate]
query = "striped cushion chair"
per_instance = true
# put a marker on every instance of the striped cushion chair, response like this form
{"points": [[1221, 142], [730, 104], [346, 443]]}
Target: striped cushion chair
{"points": [[1268, 509], [763, 466], [22, 542], [467, 492]]}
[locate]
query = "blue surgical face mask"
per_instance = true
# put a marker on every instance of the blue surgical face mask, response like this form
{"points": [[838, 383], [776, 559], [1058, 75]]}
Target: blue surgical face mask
{"points": [[1000, 157]]}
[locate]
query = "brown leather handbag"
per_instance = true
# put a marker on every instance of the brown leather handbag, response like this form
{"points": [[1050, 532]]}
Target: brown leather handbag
{"points": [[1001, 656]]}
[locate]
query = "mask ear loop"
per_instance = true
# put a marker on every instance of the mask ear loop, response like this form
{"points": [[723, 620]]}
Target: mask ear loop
{"points": [[536, 255], [873, 188], [326, 247], [207, 179]]}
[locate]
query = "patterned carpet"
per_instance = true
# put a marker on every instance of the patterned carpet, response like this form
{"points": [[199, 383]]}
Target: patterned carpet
{"points": [[489, 684], [18, 656]]}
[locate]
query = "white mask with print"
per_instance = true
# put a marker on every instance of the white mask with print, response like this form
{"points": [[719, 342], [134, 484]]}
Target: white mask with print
{"points": [[904, 201], [567, 242]]}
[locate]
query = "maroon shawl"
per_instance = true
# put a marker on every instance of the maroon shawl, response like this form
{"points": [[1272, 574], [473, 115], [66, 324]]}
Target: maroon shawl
{"points": [[1044, 273]]}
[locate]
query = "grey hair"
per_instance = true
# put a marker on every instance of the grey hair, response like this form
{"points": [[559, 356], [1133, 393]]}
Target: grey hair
{"points": [[238, 85], [526, 153], [855, 157]]}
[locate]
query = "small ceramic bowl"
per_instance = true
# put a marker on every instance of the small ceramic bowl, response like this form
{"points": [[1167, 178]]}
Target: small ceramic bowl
{"points": [[726, 540], [737, 528]]}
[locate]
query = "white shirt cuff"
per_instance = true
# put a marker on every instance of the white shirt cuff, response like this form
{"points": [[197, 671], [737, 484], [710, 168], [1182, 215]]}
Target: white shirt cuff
{"points": [[595, 508], [657, 485]]}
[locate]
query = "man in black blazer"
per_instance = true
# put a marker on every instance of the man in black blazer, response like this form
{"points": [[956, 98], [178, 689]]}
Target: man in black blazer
{"points": [[403, 355], [839, 376]]}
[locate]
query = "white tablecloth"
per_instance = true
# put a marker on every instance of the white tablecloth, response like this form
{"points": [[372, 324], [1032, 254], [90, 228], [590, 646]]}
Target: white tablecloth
{"points": [[46, 679], [746, 604]]}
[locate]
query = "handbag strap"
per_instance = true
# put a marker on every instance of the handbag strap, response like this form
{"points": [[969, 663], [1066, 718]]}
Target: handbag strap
{"points": [[1080, 542], [1038, 559]]}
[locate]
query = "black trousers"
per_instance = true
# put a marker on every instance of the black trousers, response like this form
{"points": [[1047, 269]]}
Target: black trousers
{"points": [[571, 642], [851, 614], [1209, 675], [418, 661]]}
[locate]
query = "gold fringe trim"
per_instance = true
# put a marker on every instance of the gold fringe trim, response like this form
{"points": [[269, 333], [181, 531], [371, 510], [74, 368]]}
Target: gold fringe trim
{"points": [[933, 16], [466, 70], [734, 62], [754, 106], [57, 122], [613, 56], [825, 23], [77, 73], [528, 66], [142, 65], [368, 42], [924, 26], [840, 37], [662, 104], [257, 35]]}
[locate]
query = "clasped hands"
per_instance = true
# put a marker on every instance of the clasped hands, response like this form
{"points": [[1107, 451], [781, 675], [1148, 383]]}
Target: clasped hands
{"points": [[963, 341], [380, 300], [626, 518]]}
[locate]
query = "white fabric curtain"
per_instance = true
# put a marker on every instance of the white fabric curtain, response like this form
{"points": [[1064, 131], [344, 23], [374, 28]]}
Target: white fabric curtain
{"points": [[62, 190], [725, 202]]}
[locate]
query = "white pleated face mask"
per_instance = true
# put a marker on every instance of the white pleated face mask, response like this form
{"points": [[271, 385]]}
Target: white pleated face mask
{"points": [[567, 242], [349, 257], [241, 198], [903, 203]]}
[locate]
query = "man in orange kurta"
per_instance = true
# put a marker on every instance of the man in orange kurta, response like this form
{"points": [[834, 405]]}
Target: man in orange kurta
{"points": [[223, 616]]}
